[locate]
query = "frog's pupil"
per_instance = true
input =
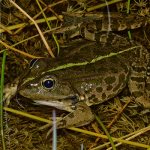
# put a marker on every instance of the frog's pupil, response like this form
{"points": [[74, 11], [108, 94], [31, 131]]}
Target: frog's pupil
{"points": [[48, 83]]}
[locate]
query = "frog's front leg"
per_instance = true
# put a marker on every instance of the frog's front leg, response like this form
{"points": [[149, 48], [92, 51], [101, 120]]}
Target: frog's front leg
{"points": [[10, 91], [82, 115]]}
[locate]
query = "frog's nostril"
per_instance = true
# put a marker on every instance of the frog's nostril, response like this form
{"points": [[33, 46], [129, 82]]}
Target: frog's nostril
{"points": [[33, 85]]}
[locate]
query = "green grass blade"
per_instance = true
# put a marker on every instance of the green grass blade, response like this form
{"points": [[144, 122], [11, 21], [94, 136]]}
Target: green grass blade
{"points": [[106, 132], [1, 101]]}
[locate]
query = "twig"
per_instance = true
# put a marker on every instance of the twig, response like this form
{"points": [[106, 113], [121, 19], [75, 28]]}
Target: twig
{"points": [[119, 113], [5, 28], [18, 51], [13, 27]]}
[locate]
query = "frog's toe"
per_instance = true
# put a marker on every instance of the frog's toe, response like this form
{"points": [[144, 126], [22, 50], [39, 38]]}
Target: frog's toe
{"points": [[9, 91], [145, 102], [82, 115]]}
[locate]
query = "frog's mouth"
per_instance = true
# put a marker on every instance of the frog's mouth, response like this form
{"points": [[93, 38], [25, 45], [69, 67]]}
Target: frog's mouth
{"points": [[67, 104]]}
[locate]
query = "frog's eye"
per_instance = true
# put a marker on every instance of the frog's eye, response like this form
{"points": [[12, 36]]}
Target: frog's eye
{"points": [[38, 65], [48, 83], [32, 62]]}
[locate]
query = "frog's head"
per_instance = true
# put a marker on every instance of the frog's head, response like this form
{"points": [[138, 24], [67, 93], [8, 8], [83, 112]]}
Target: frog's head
{"points": [[47, 88]]}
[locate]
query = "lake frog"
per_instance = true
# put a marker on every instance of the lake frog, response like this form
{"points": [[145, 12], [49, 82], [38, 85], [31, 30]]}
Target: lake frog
{"points": [[88, 73]]}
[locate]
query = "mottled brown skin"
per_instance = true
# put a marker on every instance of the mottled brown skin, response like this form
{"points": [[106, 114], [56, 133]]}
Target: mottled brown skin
{"points": [[90, 24], [78, 87]]}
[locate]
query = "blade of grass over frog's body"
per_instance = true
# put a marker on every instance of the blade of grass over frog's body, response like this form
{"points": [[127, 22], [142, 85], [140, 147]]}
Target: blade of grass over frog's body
{"points": [[128, 11], [128, 7], [82, 147], [1, 101], [109, 18]]}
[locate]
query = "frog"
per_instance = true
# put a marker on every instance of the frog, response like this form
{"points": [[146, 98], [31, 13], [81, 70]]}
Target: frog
{"points": [[91, 70], [88, 73]]}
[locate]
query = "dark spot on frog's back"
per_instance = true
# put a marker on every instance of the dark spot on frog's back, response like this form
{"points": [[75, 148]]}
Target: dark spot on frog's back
{"points": [[109, 87], [103, 96], [96, 100], [121, 78], [92, 97], [110, 80], [99, 89], [125, 67], [138, 69], [114, 70], [138, 79], [102, 69], [121, 83]]}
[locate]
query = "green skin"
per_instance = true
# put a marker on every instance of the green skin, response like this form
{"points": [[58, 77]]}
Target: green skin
{"points": [[89, 74]]}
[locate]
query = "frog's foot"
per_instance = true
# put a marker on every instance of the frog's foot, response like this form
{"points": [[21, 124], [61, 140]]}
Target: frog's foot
{"points": [[9, 91], [143, 101], [82, 115]]}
